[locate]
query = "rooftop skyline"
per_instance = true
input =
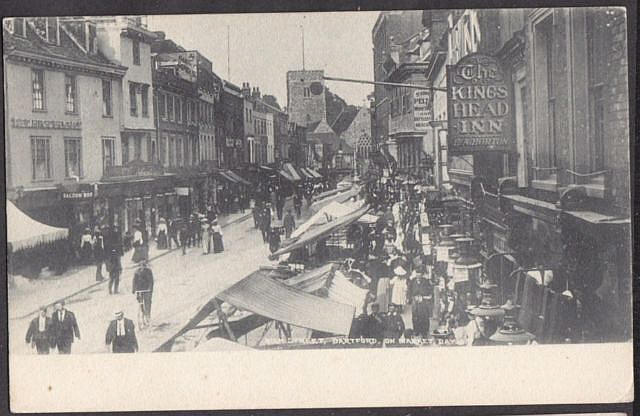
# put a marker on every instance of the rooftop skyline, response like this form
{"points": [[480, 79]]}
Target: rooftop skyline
{"points": [[263, 47]]}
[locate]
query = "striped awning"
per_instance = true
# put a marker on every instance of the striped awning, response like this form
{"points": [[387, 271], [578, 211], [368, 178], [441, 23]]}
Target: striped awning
{"points": [[224, 175], [237, 177], [306, 173], [292, 171], [314, 173], [286, 175]]}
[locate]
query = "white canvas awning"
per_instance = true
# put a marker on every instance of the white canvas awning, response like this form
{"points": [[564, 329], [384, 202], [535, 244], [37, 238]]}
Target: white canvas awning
{"points": [[24, 232]]}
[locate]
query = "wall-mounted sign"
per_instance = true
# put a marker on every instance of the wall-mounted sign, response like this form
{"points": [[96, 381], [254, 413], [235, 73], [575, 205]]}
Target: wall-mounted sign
{"points": [[238, 143], [182, 191], [422, 109], [77, 195], [230, 142], [26, 123], [479, 106]]}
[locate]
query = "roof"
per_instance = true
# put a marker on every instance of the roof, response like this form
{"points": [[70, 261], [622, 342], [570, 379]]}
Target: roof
{"points": [[345, 119], [67, 50]]}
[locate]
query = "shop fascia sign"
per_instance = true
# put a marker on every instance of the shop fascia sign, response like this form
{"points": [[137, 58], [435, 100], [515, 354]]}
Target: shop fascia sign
{"points": [[479, 106], [27, 123], [77, 195]]}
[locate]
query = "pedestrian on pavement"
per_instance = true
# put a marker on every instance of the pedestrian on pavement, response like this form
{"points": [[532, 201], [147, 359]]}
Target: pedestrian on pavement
{"points": [[86, 242], [98, 253], [183, 236], [297, 204], [274, 239], [265, 222], [374, 324], [138, 243], [162, 234], [65, 327], [206, 237], [114, 267], [121, 335], [40, 333], [257, 213], [218, 244], [142, 287], [289, 223], [280, 201]]}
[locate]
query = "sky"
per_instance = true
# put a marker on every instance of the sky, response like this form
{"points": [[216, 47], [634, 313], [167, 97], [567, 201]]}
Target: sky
{"points": [[263, 47]]}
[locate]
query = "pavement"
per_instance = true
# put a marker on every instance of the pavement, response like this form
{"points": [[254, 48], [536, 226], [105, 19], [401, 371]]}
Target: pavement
{"points": [[183, 283]]}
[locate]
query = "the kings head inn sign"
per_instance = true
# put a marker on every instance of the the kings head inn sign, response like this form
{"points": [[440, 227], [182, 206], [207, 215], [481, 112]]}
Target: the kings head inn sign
{"points": [[479, 106]]}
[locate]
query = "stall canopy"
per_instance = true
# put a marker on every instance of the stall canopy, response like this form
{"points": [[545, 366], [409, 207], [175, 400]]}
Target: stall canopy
{"points": [[237, 177], [343, 291], [23, 232], [268, 297], [314, 173], [327, 214], [288, 167], [320, 232], [339, 197], [286, 175]]}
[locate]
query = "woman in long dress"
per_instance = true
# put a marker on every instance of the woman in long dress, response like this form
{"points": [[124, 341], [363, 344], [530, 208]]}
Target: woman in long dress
{"points": [[138, 246], [162, 234], [399, 287], [206, 238], [218, 245], [86, 246]]}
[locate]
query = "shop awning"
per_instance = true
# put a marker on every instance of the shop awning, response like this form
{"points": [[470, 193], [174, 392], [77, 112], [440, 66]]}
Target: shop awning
{"points": [[224, 175], [237, 177], [314, 173], [267, 297], [286, 175], [288, 167], [23, 232], [319, 232], [306, 173]]}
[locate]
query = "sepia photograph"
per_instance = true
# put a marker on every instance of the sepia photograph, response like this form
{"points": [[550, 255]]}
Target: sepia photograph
{"points": [[417, 182]]}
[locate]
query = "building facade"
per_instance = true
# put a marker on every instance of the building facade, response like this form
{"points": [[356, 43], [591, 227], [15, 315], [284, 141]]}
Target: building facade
{"points": [[62, 134], [306, 102]]}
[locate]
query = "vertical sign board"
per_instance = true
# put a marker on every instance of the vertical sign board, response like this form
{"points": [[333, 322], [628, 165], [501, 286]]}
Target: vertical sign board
{"points": [[479, 106], [422, 109]]}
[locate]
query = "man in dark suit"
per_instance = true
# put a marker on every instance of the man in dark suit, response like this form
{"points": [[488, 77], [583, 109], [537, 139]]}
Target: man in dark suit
{"points": [[64, 327], [39, 334], [121, 335]]}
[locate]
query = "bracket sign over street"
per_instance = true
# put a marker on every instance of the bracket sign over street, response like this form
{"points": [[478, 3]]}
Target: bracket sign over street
{"points": [[479, 106]]}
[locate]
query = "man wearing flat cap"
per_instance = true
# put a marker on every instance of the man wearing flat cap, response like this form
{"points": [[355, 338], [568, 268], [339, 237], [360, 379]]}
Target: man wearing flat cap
{"points": [[121, 335]]}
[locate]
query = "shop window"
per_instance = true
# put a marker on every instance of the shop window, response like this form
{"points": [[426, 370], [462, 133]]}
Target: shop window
{"points": [[40, 158], [144, 95], [107, 99], [37, 89], [71, 99], [133, 100], [136, 51], [108, 153], [72, 157], [545, 101]]}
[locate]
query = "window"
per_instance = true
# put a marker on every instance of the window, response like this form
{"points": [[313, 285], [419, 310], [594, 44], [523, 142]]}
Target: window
{"points": [[187, 117], [172, 151], [108, 153], [136, 51], [72, 157], [37, 89], [40, 158], [170, 113], [194, 115], [545, 100], [307, 92], [137, 148], [133, 100], [179, 151], [596, 67], [179, 110], [162, 103], [71, 105], [107, 103], [125, 149], [163, 150], [145, 100]]}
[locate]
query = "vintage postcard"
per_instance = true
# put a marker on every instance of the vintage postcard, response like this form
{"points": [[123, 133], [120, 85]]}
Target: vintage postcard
{"points": [[294, 209]]}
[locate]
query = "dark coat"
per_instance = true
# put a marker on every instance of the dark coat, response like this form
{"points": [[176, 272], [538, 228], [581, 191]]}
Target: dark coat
{"points": [[65, 330], [126, 343], [142, 280], [34, 335], [393, 326], [420, 286]]}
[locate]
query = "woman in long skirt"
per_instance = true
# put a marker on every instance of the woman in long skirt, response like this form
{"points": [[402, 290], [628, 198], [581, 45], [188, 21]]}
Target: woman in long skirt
{"points": [[162, 234], [206, 238], [399, 287], [86, 246], [139, 252], [218, 245]]}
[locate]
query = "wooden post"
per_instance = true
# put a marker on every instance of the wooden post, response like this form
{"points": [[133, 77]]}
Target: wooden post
{"points": [[223, 319]]}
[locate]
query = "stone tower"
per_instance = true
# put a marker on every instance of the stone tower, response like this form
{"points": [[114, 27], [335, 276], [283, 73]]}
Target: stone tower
{"points": [[306, 103]]}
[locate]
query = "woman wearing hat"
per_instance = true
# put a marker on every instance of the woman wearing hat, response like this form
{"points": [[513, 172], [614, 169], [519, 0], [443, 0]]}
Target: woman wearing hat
{"points": [[399, 286], [138, 243], [206, 237], [86, 247]]}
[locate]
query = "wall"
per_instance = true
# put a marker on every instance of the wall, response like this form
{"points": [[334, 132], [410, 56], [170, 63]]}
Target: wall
{"points": [[300, 106], [140, 74]]}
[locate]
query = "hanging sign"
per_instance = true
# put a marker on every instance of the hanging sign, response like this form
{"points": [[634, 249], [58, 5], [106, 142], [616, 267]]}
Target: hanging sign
{"points": [[230, 142], [422, 109], [479, 106]]}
